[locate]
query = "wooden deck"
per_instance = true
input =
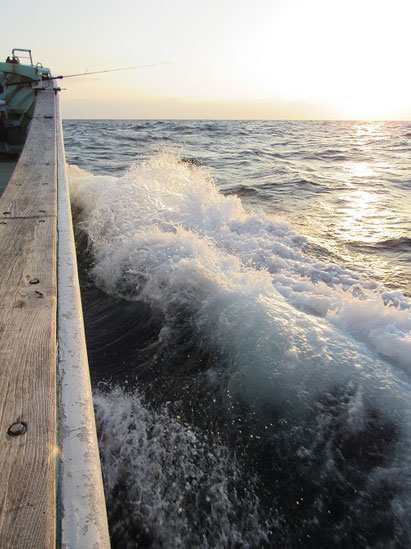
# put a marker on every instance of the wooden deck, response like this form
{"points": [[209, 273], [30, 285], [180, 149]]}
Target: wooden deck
{"points": [[28, 297]]}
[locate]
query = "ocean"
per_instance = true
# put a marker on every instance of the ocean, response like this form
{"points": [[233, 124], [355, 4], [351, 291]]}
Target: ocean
{"points": [[247, 301]]}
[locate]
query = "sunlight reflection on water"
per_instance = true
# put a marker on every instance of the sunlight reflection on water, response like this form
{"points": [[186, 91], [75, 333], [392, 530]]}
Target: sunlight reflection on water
{"points": [[345, 185], [363, 217]]}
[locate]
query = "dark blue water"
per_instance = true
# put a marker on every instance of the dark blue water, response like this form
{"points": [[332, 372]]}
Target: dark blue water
{"points": [[246, 295]]}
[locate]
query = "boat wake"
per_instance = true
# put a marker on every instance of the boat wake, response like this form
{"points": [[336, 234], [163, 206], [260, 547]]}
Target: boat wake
{"points": [[268, 402]]}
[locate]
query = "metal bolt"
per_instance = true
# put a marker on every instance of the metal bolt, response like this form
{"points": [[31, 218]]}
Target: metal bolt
{"points": [[34, 281], [17, 429], [42, 220], [42, 211]]}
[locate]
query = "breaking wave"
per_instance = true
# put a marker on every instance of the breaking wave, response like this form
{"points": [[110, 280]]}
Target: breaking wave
{"points": [[278, 384]]}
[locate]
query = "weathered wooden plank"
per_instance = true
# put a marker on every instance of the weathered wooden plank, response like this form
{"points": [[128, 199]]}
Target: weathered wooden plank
{"points": [[28, 341]]}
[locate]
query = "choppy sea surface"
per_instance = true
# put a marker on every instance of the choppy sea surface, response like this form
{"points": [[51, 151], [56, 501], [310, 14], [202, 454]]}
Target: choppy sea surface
{"points": [[247, 298]]}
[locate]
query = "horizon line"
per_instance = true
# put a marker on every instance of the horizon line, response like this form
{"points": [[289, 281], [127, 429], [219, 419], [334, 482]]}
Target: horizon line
{"points": [[254, 119]]}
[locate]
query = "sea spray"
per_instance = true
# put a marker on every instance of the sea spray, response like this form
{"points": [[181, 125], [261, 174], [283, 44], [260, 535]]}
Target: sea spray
{"points": [[163, 477], [260, 349], [168, 199]]}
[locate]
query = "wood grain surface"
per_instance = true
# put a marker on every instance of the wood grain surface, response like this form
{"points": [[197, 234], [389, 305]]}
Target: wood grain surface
{"points": [[28, 297]]}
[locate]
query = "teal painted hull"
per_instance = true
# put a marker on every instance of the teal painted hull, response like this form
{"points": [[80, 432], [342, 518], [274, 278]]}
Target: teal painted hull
{"points": [[17, 102]]}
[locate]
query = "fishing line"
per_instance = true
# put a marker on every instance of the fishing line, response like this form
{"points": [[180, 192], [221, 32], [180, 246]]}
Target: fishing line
{"points": [[87, 73], [103, 71]]}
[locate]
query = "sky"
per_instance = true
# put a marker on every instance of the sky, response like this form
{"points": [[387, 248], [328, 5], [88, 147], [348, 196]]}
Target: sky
{"points": [[222, 59]]}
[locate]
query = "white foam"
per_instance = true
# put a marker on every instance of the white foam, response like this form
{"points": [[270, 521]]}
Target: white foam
{"points": [[165, 228], [294, 328], [175, 477]]}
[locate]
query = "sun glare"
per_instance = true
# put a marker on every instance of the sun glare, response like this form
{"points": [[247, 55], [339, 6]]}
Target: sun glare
{"points": [[350, 60], [282, 59]]}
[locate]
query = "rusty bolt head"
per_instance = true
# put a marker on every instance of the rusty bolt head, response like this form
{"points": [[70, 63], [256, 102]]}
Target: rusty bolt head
{"points": [[17, 429]]}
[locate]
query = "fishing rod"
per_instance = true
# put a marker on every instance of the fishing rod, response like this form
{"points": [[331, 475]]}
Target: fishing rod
{"points": [[87, 73]]}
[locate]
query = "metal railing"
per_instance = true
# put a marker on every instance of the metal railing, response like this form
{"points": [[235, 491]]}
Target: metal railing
{"points": [[13, 52]]}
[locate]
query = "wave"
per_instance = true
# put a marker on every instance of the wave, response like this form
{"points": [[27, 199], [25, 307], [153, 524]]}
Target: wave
{"points": [[165, 219], [171, 484], [333, 155], [401, 244], [299, 368], [162, 478], [242, 190]]}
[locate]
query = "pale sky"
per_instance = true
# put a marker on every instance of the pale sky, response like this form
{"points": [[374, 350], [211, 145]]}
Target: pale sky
{"points": [[241, 59]]}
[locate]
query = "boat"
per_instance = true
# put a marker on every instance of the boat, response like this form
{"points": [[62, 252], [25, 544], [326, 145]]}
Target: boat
{"points": [[51, 491], [19, 81]]}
